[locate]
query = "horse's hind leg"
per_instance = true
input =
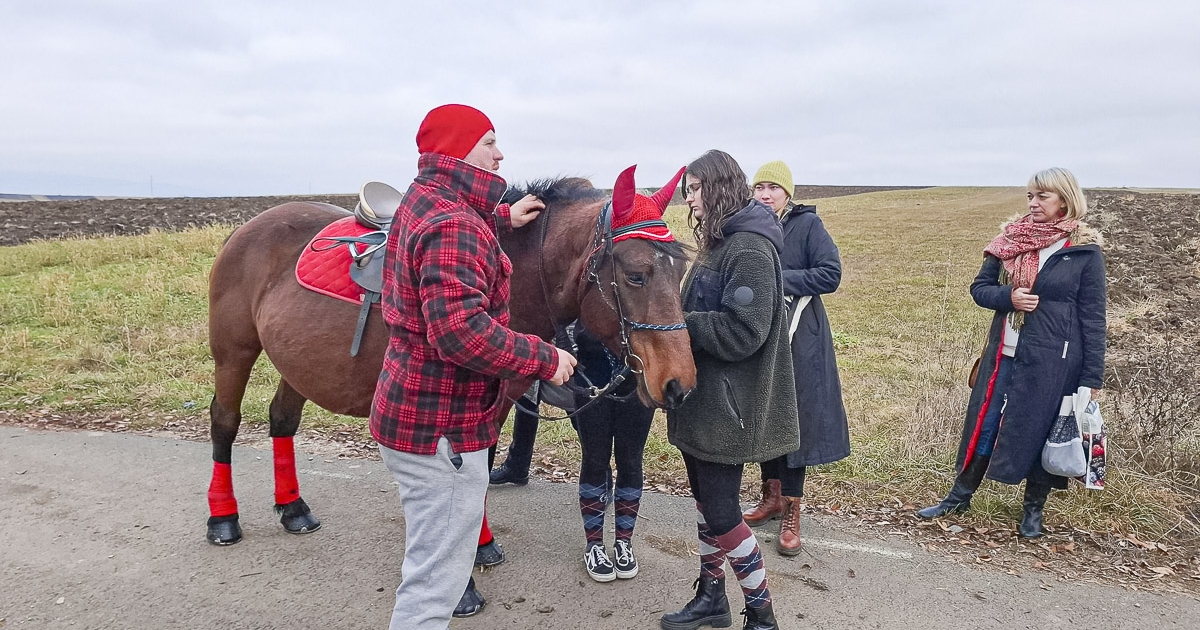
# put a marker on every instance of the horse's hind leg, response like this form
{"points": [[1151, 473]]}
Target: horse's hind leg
{"points": [[286, 408], [225, 413]]}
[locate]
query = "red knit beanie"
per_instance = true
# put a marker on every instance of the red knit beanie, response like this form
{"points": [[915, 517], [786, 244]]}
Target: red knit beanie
{"points": [[452, 130]]}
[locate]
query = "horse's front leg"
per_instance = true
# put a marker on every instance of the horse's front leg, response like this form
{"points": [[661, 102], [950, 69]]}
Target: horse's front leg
{"points": [[286, 408]]}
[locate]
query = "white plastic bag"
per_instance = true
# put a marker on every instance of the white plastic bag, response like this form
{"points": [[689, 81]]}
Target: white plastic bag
{"points": [[1063, 454], [1095, 444]]}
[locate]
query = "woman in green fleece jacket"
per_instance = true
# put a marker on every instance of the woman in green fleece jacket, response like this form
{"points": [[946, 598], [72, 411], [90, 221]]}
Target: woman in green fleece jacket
{"points": [[744, 406]]}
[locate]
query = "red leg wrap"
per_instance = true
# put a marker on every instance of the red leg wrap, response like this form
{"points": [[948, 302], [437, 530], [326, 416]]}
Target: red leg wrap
{"points": [[220, 491], [287, 488], [485, 533]]}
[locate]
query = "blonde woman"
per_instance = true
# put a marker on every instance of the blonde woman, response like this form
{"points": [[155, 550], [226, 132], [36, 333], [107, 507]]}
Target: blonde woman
{"points": [[1043, 275]]}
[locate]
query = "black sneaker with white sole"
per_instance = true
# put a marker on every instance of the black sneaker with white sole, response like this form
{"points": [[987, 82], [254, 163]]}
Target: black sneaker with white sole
{"points": [[598, 565], [625, 561]]}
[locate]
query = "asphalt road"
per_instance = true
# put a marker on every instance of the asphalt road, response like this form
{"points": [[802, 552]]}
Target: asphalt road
{"points": [[107, 531]]}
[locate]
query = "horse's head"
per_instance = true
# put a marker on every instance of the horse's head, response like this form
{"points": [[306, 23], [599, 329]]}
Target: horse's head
{"points": [[632, 301], [567, 262]]}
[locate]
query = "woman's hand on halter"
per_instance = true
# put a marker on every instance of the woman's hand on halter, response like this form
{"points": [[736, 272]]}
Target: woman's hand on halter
{"points": [[566, 367], [1023, 300], [524, 211]]}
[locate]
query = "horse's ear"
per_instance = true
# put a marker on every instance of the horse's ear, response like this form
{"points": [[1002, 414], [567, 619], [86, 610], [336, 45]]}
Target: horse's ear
{"points": [[664, 194], [623, 194]]}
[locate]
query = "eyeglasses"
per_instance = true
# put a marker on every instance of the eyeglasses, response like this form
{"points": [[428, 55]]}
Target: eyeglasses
{"points": [[691, 189]]}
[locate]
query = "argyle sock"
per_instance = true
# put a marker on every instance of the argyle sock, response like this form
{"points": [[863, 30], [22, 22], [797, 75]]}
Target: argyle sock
{"points": [[592, 501], [712, 558], [741, 548], [626, 510]]}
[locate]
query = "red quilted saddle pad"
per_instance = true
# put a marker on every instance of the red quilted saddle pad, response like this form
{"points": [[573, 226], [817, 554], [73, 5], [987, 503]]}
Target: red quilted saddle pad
{"points": [[328, 272]]}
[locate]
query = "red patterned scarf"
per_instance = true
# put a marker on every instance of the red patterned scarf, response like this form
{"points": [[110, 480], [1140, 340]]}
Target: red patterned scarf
{"points": [[1018, 244]]}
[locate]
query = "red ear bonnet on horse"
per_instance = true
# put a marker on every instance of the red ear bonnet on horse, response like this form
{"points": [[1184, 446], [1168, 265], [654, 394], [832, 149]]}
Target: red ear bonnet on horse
{"points": [[638, 216]]}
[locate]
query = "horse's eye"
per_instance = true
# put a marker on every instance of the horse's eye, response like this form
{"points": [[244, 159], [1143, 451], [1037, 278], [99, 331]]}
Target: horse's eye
{"points": [[636, 279]]}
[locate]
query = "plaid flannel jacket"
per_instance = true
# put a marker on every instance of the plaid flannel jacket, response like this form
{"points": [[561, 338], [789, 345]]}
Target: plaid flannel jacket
{"points": [[445, 302]]}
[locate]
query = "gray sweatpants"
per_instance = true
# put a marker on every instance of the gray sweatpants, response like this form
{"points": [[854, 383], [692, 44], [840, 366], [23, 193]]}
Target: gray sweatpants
{"points": [[442, 500]]}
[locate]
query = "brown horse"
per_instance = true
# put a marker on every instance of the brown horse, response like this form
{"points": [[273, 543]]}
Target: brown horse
{"points": [[566, 267]]}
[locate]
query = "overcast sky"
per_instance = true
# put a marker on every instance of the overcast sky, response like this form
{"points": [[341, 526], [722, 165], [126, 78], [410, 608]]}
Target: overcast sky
{"points": [[128, 97]]}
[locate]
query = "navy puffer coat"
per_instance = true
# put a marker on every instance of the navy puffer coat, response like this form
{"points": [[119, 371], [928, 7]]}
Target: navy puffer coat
{"points": [[812, 267]]}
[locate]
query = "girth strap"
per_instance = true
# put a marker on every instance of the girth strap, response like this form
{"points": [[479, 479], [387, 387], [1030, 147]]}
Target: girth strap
{"points": [[369, 298]]}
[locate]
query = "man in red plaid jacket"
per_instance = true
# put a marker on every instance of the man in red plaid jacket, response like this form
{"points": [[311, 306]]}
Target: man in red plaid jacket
{"points": [[437, 404]]}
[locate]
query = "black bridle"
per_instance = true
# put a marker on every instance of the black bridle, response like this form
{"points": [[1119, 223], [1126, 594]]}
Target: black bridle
{"points": [[602, 250]]}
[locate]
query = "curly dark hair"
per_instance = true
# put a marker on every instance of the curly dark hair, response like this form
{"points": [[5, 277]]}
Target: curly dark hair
{"points": [[724, 191]]}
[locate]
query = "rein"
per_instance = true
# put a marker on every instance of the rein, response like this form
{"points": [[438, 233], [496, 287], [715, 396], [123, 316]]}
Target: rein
{"points": [[602, 249]]}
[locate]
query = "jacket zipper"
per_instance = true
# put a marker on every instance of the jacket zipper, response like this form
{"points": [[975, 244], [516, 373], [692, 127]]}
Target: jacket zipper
{"points": [[733, 406], [1065, 344]]}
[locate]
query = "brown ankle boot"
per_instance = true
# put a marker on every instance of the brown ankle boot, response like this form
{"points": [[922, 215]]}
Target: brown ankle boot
{"points": [[770, 506], [788, 542]]}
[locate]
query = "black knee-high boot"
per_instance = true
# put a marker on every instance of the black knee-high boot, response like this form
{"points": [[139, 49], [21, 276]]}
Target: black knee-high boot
{"points": [[1036, 492], [965, 485]]}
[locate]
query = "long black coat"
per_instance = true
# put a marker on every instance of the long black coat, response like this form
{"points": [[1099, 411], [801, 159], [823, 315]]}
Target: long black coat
{"points": [[1061, 348], [812, 267]]}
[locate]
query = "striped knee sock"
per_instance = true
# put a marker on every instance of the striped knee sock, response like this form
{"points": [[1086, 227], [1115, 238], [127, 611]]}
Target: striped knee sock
{"points": [[626, 509], [712, 558], [741, 548], [592, 501]]}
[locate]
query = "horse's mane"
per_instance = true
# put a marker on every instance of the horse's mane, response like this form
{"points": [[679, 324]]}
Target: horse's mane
{"points": [[556, 190]]}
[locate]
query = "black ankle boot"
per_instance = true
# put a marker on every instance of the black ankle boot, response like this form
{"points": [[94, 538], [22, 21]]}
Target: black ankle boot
{"points": [[709, 607], [760, 618], [965, 485], [1035, 500], [508, 474]]}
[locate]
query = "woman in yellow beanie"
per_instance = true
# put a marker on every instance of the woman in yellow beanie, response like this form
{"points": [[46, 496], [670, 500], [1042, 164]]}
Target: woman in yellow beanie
{"points": [[811, 268]]}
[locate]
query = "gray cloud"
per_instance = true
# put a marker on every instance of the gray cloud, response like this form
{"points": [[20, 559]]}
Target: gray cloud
{"points": [[218, 98]]}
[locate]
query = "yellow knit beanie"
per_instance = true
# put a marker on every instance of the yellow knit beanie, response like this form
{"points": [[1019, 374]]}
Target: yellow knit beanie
{"points": [[776, 173]]}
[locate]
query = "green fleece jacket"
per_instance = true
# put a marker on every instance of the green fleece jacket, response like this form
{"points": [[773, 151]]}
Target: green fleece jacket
{"points": [[744, 406]]}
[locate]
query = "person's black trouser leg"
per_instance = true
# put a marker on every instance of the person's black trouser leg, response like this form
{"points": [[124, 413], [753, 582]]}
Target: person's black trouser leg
{"points": [[515, 468]]}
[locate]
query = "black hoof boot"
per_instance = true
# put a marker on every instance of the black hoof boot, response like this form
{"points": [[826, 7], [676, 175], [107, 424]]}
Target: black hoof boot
{"points": [[708, 608], [471, 603], [489, 555], [224, 530], [296, 518]]}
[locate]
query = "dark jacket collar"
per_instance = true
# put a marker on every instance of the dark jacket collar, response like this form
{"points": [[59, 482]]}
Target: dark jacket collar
{"points": [[478, 188], [756, 217], [794, 209]]}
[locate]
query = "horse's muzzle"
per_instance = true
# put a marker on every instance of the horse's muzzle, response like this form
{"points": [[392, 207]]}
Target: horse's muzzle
{"points": [[674, 394]]}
